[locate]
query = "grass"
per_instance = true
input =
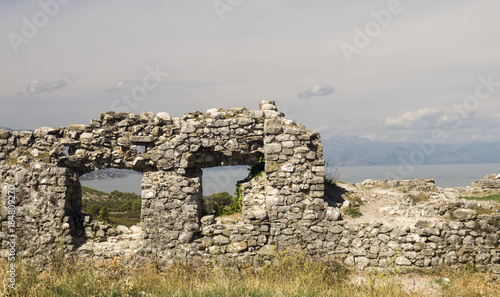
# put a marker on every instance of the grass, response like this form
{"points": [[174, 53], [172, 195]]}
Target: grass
{"points": [[420, 197], [291, 275], [352, 211], [480, 210], [127, 218], [332, 173], [489, 197]]}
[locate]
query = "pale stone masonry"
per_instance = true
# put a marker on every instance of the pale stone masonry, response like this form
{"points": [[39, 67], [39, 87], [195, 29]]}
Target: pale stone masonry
{"points": [[284, 208]]}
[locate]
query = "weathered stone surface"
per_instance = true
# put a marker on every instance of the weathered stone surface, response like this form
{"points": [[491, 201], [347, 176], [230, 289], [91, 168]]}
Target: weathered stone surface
{"points": [[142, 139], [464, 214], [268, 250], [208, 220], [490, 181], [402, 261], [237, 247], [332, 214], [4, 134]]}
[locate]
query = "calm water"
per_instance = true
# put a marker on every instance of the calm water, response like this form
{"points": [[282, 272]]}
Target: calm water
{"points": [[445, 175], [223, 179], [215, 180], [131, 183]]}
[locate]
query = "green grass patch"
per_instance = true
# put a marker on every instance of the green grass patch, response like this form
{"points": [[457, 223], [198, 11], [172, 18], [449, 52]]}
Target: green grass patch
{"points": [[128, 218], [491, 197], [480, 210], [352, 211]]}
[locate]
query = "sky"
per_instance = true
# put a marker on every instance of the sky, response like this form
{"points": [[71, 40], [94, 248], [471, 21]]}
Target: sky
{"points": [[385, 70]]}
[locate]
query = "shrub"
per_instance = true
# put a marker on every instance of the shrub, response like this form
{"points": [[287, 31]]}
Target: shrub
{"points": [[332, 173], [352, 211], [104, 213], [94, 210], [420, 197], [219, 204]]}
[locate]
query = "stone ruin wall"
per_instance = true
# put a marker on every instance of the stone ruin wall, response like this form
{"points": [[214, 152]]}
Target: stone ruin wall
{"points": [[284, 208]]}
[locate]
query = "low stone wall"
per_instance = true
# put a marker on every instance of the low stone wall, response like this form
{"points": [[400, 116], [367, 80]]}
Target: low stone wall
{"points": [[465, 238], [468, 238]]}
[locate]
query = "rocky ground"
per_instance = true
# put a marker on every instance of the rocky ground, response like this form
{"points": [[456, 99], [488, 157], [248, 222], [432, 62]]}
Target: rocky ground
{"points": [[399, 204], [403, 203]]}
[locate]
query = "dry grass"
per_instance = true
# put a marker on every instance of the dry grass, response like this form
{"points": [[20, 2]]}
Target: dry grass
{"points": [[291, 275], [420, 197]]}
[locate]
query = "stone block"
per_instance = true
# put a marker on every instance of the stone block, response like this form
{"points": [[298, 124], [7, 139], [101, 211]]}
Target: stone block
{"points": [[208, 220], [333, 214], [237, 247], [272, 148], [402, 261], [268, 250], [221, 239], [272, 127], [141, 139], [464, 214]]}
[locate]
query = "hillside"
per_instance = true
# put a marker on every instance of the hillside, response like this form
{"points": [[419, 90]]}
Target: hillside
{"points": [[117, 208]]}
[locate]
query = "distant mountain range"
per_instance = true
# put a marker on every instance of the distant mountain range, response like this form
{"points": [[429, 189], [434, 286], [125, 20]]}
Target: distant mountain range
{"points": [[342, 151], [9, 129], [109, 173]]}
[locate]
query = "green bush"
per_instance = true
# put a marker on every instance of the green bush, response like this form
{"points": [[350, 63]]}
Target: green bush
{"points": [[219, 204], [94, 210], [352, 211], [104, 213]]}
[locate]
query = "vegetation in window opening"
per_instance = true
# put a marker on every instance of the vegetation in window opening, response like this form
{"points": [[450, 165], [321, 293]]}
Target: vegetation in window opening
{"points": [[255, 171], [117, 208], [220, 204]]}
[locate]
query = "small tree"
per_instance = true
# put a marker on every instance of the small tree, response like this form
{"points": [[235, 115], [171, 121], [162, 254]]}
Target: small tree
{"points": [[217, 204], [104, 213], [94, 210]]}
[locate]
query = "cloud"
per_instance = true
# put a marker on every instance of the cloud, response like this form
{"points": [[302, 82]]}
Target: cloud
{"points": [[435, 118], [317, 90], [118, 86], [38, 87], [421, 118]]}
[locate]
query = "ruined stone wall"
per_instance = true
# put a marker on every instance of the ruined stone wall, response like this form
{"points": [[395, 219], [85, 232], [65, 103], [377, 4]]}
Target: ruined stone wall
{"points": [[284, 208], [45, 165]]}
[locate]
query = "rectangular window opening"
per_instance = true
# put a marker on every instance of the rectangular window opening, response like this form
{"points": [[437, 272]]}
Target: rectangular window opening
{"points": [[141, 149]]}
